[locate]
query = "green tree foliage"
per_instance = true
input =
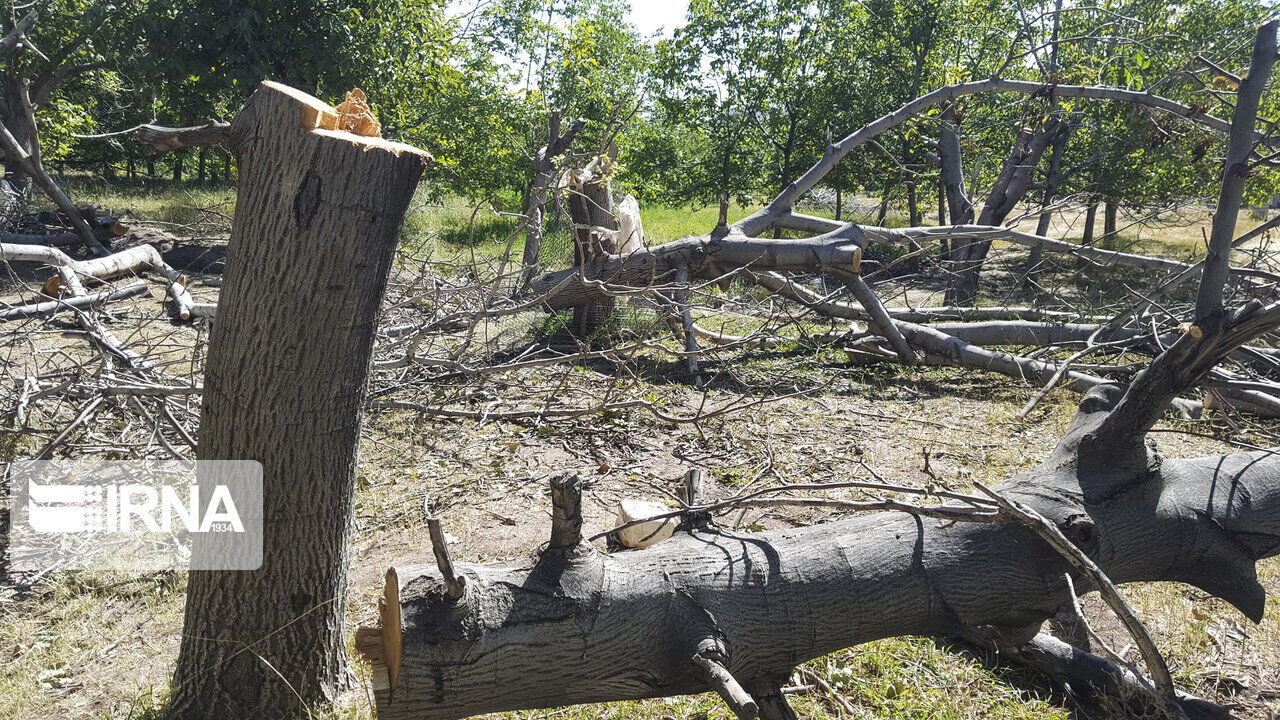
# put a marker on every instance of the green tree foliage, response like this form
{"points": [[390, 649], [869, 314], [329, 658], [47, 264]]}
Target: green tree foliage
{"points": [[739, 101]]}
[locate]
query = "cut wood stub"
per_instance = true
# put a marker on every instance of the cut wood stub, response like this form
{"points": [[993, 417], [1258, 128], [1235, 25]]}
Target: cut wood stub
{"points": [[566, 509], [389, 613]]}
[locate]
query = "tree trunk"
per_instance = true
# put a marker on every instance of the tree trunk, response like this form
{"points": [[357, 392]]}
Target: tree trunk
{"points": [[839, 202], [201, 172], [177, 167], [1236, 171], [1090, 219], [14, 170], [591, 205], [544, 177], [575, 626], [883, 212], [1010, 187], [1054, 177], [942, 202], [1109, 226], [286, 389], [913, 205]]}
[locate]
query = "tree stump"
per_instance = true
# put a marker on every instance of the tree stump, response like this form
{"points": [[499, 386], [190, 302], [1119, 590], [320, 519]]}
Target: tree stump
{"points": [[317, 221]]}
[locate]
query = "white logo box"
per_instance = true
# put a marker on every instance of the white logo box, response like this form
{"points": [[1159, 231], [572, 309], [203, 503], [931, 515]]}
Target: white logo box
{"points": [[134, 516]]}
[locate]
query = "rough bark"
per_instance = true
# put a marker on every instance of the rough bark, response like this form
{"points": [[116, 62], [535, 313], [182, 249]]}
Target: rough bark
{"points": [[627, 625], [544, 176], [286, 389], [590, 198]]}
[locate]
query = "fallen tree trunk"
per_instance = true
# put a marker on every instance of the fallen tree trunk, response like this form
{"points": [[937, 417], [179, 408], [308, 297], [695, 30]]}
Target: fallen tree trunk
{"points": [[166, 139], [50, 307], [627, 626], [706, 258]]}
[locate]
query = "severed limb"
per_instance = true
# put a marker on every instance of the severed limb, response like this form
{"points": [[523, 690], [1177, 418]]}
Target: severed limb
{"points": [[50, 307], [73, 274], [166, 139]]}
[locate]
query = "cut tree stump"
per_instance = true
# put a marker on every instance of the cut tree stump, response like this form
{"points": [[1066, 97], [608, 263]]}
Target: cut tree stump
{"points": [[317, 221]]}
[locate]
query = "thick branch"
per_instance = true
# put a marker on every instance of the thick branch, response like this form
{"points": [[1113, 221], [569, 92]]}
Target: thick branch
{"points": [[1235, 171], [762, 220], [17, 37]]}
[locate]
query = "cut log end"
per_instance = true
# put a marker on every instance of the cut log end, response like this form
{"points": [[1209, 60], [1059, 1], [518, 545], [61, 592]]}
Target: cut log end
{"points": [[322, 118]]}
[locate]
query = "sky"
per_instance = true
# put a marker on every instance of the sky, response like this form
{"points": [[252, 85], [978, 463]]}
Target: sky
{"points": [[652, 15]]}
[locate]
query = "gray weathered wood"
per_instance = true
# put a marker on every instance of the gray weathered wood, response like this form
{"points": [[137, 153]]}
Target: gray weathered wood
{"points": [[1235, 171], [619, 624]]}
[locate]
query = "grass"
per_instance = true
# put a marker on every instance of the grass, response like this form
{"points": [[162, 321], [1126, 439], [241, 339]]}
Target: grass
{"points": [[190, 207]]}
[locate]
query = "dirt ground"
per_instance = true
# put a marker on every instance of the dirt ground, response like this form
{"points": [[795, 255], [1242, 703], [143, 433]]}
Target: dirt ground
{"points": [[84, 646]]}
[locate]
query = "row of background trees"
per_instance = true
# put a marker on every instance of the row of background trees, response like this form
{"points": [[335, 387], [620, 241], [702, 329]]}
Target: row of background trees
{"points": [[738, 101]]}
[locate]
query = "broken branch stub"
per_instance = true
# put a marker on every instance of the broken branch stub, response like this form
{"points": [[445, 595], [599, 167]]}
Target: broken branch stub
{"points": [[566, 510]]}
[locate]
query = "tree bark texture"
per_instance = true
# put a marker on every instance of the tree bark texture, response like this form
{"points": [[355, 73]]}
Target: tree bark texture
{"points": [[626, 626], [590, 198], [286, 389]]}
